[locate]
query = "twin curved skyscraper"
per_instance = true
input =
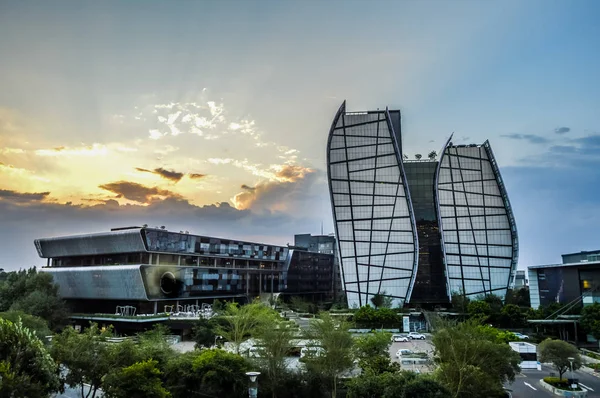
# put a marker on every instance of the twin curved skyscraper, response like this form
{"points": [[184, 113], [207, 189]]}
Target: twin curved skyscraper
{"points": [[416, 231]]}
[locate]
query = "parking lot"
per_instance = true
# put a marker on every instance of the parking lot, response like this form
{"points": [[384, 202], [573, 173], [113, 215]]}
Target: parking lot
{"points": [[415, 346]]}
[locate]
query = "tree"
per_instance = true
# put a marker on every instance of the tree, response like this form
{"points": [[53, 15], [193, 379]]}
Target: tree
{"points": [[85, 355], [140, 380], [204, 332], [223, 374], [275, 342], [153, 344], [34, 293], [336, 343], [479, 309], [371, 350], [377, 300], [512, 316], [471, 363], [423, 387], [590, 320], [558, 353], [238, 323], [460, 301], [180, 377], [432, 155], [26, 368], [34, 323]]}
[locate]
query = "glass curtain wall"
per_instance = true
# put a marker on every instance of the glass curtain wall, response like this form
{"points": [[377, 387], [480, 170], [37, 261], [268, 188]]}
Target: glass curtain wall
{"points": [[371, 207], [478, 231]]}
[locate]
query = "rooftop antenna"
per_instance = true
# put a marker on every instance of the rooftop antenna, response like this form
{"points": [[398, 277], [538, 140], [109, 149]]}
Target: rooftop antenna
{"points": [[321, 227]]}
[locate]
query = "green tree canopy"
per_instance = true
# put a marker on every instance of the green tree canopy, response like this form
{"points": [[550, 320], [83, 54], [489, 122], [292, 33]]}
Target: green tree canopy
{"points": [[34, 323], [85, 355], [512, 316], [590, 319], [26, 368], [222, 374], [336, 343], [558, 353], [34, 293], [204, 332], [472, 363], [372, 351], [275, 342], [479, 309], [140, 380], [238, 323]]}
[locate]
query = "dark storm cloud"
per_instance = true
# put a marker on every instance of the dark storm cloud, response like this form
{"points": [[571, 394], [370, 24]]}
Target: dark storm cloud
{"points": [[531, 138], [138, 192], [22, 224], [562, 130], [164, 173], [22, 196]]}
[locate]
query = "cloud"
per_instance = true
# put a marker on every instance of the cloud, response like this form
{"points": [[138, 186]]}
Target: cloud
{"points": [[171, 175], [168, 174], [562, 130], [531, 138], [22, 224], [89, 150], [589, 141], [281, 194], [22, 196], [137, 192]]}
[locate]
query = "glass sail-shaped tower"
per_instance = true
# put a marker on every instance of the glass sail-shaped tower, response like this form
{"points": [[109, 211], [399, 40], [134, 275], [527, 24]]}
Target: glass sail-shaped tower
{"points": [[416, 231]]}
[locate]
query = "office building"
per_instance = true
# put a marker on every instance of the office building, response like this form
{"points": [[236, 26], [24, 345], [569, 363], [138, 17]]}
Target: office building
{"points": [[520, 279], [576, 279], [325, 244], [417, 231], [150, 268]]}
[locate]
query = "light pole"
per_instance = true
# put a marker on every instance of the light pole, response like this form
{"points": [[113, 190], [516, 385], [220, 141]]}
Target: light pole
{"points": [[571, 359], [217, 337], [253, 389]]}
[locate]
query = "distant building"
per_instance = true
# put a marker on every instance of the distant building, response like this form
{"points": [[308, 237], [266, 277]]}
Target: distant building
{"points": [[150, 268], [417, 231], [520, 279], [325, 244], [578, 277]]}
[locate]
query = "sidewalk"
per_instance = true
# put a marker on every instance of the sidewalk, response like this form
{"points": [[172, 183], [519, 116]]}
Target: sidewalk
{"points": [[590, 371]]}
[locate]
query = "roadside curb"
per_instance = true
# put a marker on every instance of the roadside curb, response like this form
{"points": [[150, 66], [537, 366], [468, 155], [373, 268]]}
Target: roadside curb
{"points": [[590, 371]]}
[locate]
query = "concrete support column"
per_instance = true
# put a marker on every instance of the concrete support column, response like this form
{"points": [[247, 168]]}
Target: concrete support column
{"points": [[198, 261], [158, 259], [178, 260], [150, 259], [155, 307]]}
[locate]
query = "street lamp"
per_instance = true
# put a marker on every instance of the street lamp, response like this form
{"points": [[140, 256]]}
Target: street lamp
{"points": [[571, 359], [253, 389], [217, 337]]}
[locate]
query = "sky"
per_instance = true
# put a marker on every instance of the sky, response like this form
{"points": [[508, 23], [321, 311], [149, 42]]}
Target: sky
{"points": [[212, 116]]}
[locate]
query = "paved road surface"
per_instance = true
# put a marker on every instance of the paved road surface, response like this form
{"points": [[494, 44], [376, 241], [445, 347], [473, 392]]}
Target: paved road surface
{"points": [[526, 384]]}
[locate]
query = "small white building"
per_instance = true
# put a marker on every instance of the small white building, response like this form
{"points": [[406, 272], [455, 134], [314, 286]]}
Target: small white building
{"points": [[528, 353]]}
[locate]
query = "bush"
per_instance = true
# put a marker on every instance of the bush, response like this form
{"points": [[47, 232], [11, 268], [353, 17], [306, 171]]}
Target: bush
{"points": [[557, 382]]}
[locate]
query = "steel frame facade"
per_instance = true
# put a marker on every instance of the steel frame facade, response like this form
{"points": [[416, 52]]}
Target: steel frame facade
{"points": [[479, 234], [375, 221], [371, 204]]}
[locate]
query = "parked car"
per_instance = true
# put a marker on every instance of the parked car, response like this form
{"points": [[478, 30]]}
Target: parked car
{"points": [[403, 351], [521, 336], [416, 336], [398, 338]]}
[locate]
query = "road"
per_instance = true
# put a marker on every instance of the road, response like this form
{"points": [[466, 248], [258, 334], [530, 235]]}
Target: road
{"points": [[526, 384]]}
